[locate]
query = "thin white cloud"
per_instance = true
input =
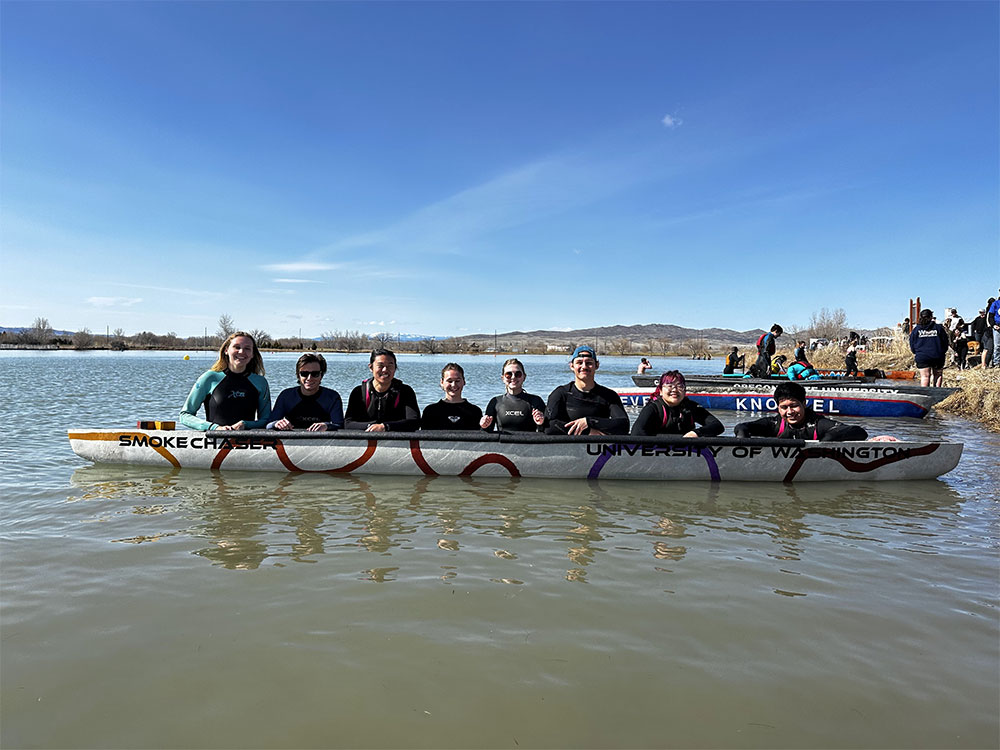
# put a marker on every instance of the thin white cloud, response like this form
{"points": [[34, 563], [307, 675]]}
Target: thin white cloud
{"points": [[532, 192], [170, 290], [670, 121], [297, 281], [300, 267], [113, 301]]}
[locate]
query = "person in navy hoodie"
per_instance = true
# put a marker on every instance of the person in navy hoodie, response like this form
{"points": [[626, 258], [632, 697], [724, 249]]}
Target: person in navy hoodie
{"points": [[310, 406], [929, 343]]}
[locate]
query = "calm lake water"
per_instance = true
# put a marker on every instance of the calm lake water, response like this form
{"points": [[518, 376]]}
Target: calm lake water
{"points": [[181, 609]]}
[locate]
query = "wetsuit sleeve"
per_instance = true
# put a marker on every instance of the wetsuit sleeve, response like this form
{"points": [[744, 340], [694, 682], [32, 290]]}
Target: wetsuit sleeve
{"points": [[410, 422], [199, 392], [263, 404], [649, 420], [537, 403], [710, 424], [763, 427], [284, 404], [357, 417], [827, 430], [555, 412], [491, 411], [616, 423], [336, 410]]}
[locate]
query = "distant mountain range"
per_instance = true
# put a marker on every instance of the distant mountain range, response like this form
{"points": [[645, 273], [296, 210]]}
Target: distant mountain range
{"points": [[635, 333], [603, 336]]}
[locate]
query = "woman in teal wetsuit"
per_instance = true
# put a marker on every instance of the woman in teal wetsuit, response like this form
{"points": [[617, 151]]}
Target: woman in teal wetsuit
{"points": [[234, 392]]}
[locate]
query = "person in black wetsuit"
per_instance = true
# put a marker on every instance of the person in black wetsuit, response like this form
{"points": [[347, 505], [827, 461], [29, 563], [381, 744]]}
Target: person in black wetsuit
{"points": [[583, 407], [765, 350], [851, 359], [452, 412], [381, 402], [670, 412], [234, 392], [310, 406], [733, 360], [797, 421], [516, 410]]}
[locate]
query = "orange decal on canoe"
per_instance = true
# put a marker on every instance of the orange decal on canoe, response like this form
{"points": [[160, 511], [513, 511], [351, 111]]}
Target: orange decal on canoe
{"points": [[114, 436], [419, 460], [287, 462], [490, 458]]}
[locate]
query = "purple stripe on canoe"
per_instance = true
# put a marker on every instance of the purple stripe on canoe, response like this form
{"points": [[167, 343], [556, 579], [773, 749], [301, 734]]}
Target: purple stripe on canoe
{"points": [[713, 467]]}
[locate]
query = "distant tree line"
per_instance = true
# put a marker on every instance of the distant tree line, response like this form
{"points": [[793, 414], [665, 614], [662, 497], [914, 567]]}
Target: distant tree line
{"points": [[823, 324]]}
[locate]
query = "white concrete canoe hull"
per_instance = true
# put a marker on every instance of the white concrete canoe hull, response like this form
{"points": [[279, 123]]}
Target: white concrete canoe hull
{"points": [[474, 454]]}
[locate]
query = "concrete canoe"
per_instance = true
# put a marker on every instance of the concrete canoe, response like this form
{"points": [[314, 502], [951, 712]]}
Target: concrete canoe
{"points": [[518, 455]]}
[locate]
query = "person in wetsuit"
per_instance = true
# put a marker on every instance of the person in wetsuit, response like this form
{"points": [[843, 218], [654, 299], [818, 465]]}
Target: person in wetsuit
{"points": [[516, 410], [797, 421], [381, 402], [234, 392], [670, 412], [733, 360], [583, 407], [452, 412], [800, 352], [766, 347], [310, 406], [802, 371]]}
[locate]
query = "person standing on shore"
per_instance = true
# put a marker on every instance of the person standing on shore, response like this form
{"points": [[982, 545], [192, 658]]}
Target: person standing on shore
{"points": [[851, 358], [993, 318], [929, 344], [986, 339]]}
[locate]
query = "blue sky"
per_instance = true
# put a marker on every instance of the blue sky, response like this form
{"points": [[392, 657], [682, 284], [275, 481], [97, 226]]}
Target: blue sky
{"points": [[450, 168]]}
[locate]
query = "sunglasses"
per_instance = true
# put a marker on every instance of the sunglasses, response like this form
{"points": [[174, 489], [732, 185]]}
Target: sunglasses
{"points": [[304, 374], [513, 375], [674, 387]]}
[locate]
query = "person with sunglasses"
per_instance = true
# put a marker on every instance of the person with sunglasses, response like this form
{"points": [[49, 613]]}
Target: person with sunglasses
{"points": [[309, 406], [381, 403], [234, 392], [583, 407], [516, 410], [670, 412]]}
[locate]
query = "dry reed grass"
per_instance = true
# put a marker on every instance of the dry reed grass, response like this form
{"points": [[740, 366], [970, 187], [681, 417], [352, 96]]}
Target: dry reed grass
{"points": [[979, 397]]}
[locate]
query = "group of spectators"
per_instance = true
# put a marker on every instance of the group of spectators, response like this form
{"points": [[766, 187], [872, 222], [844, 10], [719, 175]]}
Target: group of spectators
{"points": [[931, 342]]}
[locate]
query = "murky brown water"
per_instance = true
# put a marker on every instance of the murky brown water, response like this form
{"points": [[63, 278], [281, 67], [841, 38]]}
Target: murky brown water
{"points": [[147, 608]]}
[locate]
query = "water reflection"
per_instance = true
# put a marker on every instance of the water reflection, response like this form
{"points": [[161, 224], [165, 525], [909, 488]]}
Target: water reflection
{"points": [[246, 519]]}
